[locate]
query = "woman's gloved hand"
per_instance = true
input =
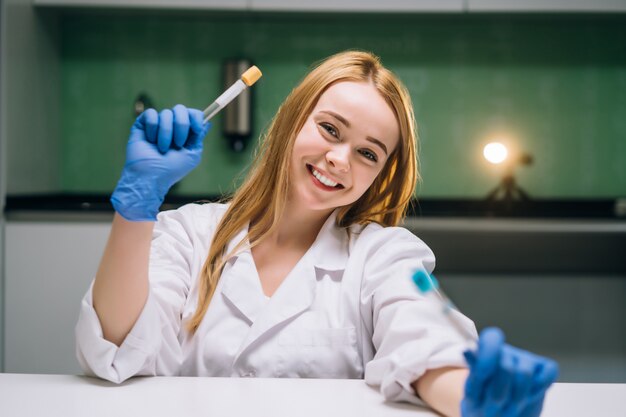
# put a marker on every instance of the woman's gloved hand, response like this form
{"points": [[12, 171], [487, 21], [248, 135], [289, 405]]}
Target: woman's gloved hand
{"points": [[504, 380], [161, 150]]}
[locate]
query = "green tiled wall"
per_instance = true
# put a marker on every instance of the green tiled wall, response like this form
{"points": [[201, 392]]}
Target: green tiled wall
{"points": [[556, 85]]}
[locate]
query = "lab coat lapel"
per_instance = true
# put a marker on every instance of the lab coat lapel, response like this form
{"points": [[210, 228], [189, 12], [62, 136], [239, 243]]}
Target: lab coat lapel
{"points": [[297, 292], [240, 281], [242, 286]]}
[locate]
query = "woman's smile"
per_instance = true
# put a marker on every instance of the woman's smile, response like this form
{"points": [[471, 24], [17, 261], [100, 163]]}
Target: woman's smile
{"points": [[322, 180]]}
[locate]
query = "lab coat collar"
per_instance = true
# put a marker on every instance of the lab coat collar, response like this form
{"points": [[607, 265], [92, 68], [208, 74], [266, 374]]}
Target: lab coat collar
{"points": [[330, 248]]}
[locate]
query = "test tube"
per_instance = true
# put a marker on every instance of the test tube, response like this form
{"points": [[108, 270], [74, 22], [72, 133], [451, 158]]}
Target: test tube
{"points": [[247, 79]]}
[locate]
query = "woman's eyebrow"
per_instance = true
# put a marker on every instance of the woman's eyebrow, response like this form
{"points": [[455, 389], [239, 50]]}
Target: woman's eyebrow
{"points": [[347, 124], [379, 143], [337, 116]]}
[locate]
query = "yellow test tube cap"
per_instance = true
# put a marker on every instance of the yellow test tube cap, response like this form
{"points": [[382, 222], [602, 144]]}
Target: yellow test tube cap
{"points": [[251, 75]]}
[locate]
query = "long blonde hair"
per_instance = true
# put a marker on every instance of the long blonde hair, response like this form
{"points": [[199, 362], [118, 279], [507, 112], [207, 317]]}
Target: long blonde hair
{"points": [[262, 197]]}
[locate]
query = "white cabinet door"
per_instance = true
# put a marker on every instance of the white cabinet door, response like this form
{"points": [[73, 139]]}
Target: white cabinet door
{"points": [[546, 5], [48, 268], [359, 5], [151, 4]]}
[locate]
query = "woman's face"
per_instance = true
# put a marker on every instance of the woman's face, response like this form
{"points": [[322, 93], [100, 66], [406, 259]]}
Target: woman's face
{"points": [[342, 146]]}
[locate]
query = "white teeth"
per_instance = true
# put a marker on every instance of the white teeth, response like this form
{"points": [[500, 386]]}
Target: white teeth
{"points": [[326, 181]]}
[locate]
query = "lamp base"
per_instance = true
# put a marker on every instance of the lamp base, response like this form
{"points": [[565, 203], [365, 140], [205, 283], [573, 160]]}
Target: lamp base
{"points": [[508, 191]]}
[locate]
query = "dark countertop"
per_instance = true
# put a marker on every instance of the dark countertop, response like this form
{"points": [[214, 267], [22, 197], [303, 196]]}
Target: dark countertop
{"points": [[426, 207]]}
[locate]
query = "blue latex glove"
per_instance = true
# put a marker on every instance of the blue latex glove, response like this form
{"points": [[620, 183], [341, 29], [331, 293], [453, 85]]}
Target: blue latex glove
{"points": [[161, 150], [504, 380]]}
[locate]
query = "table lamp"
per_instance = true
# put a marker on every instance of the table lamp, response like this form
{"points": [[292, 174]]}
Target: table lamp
{"points": [[507, 190]]}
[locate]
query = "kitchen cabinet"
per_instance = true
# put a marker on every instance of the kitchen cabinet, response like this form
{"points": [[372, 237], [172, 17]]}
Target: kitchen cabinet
{"points": [[392, 6], [48, 268], [148, 4], [270, 5], [546, 6]]}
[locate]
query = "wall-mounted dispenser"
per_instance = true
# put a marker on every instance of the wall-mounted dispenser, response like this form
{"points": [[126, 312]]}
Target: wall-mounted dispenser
{"points": [[237, 116]]}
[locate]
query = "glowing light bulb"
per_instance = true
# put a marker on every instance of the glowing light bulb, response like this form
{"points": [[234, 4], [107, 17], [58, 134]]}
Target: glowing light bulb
{"points": [[495, 152]]}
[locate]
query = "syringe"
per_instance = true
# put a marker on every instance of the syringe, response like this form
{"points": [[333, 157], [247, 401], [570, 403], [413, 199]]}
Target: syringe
{"points": [[248, 78], [429, 286]]}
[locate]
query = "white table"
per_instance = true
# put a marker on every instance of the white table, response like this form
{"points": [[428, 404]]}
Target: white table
{"points": [[68, 395]]}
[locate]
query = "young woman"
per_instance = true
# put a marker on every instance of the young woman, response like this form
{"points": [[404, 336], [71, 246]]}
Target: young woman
{"points": [[303, 273]]}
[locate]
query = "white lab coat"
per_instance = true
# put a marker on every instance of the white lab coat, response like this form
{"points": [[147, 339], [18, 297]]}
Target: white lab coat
{"points": [[348, 309]]}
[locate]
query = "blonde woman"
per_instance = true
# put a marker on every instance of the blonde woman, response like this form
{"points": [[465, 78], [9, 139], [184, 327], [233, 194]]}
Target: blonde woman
{"points": [[303, 273]]}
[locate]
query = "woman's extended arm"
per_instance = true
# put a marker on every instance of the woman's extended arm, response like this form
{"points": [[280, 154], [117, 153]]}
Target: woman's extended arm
{"points": [[502, 380], [442, 389], [121, 286]]}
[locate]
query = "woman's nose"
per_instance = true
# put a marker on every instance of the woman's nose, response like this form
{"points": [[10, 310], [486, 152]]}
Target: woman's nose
{"points": [[339, 158]]}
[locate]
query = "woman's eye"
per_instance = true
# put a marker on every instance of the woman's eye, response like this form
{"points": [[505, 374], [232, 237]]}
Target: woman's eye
{"points": [[330, 129], [369, 155]]}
